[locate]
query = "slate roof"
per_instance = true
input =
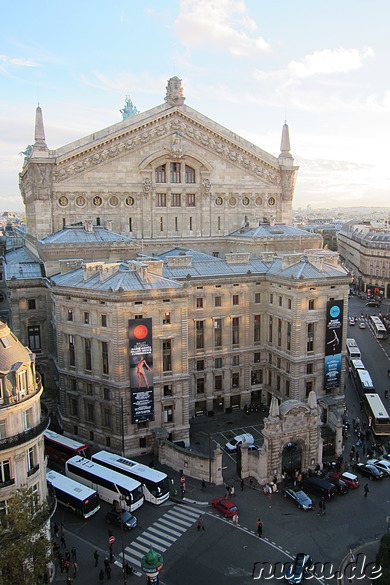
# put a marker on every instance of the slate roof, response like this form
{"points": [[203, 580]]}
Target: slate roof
{"points": [[23, 264], [14, 352], [77, 234], [265, 230]]}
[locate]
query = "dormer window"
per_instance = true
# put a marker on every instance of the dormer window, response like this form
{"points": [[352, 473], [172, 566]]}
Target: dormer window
{"points": [[22, 382]]}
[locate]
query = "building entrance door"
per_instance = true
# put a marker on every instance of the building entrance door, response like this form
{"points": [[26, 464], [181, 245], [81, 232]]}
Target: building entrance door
{"points": [[291, 458]]}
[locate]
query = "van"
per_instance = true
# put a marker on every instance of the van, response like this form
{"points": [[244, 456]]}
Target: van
{"points": [[321, 487], [238, 440]]}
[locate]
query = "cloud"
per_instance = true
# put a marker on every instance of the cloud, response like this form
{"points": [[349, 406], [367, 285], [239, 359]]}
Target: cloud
{"points": [[329, 62], [7, 62], [222, 25]]}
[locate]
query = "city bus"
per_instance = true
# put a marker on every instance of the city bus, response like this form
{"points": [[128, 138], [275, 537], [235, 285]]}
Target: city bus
{"points": [[364, 383], [353, 351], [59, 448], [155, 484], [356, 365], [378, 327], [378, 417], [112, 487], [73, 495]]}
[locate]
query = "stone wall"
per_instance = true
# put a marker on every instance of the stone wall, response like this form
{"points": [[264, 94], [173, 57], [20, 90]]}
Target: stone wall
{"points": [[193, 464]]}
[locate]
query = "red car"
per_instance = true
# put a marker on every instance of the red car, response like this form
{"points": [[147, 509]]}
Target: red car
{"points": [[227, 507], [350, 479]]}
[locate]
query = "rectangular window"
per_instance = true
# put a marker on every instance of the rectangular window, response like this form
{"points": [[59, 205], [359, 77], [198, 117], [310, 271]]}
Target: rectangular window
{"points": [[280, 301], [256, 328], [311, 305], [256, 377], [105, 366], [309, 368], [218, 363], [278, 383], [289, 303], [161, 224], [103, 320], [22, 382], [218, 383], [31, 304], [200, 386], [235, 360], [236, 330], [30, 458], [287, 388], [130, 224], [256, 357], [217, 301], [167, 318], [270, 329], [219, 222], [199, 326], [161, 174], [3, 431], [27, 419], [5, 471], [175, 173], [168, 414], [34, 337], [217, 332], [106, 394], [236, 300], [176, 200], [190, 224], [88, 354], [235, 380], [86, 318], [106, 417], [288, 344], [200, 365], [176, 225], [74, 407], [310, 337], [279, 332], [190, 199], [167, 355], [71, 349], [257, 297], [190, 174], [199, 303], [70, 315], [309, 388], [167, 390], [161, 199], [89, 411], [271, 299]]}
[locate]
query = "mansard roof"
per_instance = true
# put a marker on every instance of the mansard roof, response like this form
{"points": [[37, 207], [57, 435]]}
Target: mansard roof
{"points": [[267, 230], [12, 352], [78, 234], [22, 264]]}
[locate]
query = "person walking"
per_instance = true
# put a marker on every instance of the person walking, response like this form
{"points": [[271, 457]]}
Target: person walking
{"points": [[63, 542], [366, 490], [101, 576], [56, 530], [96, 557], [200, 525], [259, 528], [74, 553], [232, 491], [235, 520], [108, 572], [75, 569]]}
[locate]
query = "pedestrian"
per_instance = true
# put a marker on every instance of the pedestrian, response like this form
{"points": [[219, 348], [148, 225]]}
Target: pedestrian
{"points": [[75, 569], [69, 581], [67, 566], [242, 485], [357, 456], [62, 562], [227, 490], [366, 490], [259, 528], [203, 484], [108, 572], [63, 543], [200, 523], [96, 557], [56, 530], [67, 555], [232, 490], [101, 576], [235, 520], [74, 553], [106, 564]]}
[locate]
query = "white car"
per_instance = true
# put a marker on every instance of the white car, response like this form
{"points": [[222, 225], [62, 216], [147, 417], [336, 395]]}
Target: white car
{"points": [[238, 440], [362, 325], [381, 464]]}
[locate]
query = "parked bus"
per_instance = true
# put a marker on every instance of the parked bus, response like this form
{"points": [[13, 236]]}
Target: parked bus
{"points": [[356, 365], [111, 486], [73, 495], [378, 417], [59, 448], [364, 383], [378, 327], [155, 484], [353, 351]]}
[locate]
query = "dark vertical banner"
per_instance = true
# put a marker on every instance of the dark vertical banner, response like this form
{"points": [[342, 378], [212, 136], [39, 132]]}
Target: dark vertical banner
{"points": [[333, 343], [141, 370]]}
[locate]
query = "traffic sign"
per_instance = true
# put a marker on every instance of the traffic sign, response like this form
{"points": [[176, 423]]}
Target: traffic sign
{"points": [[111, 540]]}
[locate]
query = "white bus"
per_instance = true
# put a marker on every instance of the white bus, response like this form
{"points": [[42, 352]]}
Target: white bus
{"points": [[356, 365], [378, 327], [112, 487], [353, 351], [378, 417], [73, 495], [155, 484], [364, 383]]}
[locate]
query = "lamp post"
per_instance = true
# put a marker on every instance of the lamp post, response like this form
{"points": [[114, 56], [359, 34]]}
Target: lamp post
{"points": [[123, 428], [152, 564], [123, 544]]}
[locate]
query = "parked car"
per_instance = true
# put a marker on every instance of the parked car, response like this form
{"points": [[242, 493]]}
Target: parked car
{"points": [[238, 440], [369, 471], [226, 507], [381, 464], [362, 325], [116, 516], [302, 567], [254, 448], [351, 321], [350, 479], [299, 498], [319, 486], [340, 484]]}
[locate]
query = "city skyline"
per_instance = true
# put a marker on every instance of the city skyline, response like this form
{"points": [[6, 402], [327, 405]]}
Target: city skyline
{"points": [[247, 65]]}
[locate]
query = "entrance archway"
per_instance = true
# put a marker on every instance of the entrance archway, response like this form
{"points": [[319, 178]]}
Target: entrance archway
{"points": [[291, 458]]}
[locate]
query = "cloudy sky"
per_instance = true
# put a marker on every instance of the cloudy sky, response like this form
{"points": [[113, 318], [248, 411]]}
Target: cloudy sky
{"points": [[247, 64]]}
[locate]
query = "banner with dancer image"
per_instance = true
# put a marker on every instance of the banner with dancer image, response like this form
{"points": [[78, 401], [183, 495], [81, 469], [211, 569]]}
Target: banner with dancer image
{"points": [[141, 370], [333, 344]]}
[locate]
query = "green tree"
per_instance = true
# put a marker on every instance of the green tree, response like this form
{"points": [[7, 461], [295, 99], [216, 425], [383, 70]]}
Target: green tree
{"points": [[24, 543]]}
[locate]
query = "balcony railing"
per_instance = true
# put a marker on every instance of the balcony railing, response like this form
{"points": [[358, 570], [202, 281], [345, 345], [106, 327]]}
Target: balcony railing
{"points": [[29, 434]]}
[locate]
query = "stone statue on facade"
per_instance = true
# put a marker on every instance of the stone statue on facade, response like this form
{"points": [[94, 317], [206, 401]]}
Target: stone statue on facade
{"points": [[174, 96], [129, 110], [26, 153]]}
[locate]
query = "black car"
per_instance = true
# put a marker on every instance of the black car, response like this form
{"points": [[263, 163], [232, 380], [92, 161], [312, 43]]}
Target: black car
{"points": [[368, 470], [373, 304], [341, 486], [301, 568], [117, 516]]}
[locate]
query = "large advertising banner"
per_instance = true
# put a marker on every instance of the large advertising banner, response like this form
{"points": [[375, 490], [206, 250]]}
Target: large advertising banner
{"points": [[141, 370], [333, 341]]}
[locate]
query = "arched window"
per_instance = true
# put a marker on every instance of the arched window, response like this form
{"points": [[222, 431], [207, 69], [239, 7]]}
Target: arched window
{"points": [[190, 174], [161, 176]]}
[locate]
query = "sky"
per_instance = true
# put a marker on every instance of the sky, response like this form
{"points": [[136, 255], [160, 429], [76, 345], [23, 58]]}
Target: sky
{"points": [[247, 64]]}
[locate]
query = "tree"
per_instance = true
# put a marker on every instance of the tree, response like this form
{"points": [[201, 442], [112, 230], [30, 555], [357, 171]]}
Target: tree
{"points": [[24, 540]]}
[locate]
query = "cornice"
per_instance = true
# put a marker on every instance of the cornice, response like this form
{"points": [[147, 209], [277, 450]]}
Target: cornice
{"points": [[162, 127]]}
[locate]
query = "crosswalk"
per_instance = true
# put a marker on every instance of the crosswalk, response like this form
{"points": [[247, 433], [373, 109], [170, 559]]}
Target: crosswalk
{"points": [[161, 534]]}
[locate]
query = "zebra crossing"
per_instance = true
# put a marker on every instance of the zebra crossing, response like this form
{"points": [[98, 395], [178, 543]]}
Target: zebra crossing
{"points": [[161, 534]]}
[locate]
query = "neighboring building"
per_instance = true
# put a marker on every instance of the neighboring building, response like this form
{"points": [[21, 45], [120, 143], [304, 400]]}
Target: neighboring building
{"points": [[366, 253], [23, 420], [169, 217]]}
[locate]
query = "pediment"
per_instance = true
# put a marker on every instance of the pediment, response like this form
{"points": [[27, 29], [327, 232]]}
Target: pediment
{"points": [[158, 133]]}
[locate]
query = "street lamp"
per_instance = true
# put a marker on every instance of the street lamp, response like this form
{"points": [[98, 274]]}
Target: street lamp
{"points": [[121, 498]]}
